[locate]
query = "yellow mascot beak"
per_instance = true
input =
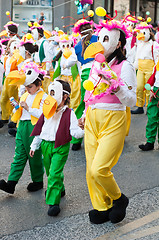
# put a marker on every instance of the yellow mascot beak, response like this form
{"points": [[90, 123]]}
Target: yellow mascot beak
{"points": [[141, 37], [16, 56], [47, 34], [49, 106], [67, 53], [93, 49], [16, 78], [3, 33]]}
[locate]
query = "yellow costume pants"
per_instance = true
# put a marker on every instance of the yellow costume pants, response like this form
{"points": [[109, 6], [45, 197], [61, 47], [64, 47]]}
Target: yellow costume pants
{"points": [[104, 140], [128, 120], [46, 81], [145, 68], [8, 91], [75, 96]]}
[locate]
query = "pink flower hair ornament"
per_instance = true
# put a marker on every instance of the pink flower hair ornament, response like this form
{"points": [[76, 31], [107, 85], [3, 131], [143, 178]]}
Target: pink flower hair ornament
{"points": [[113, 24], [80, 23], [34, 66], [11, 23], [21, 43], [143, 25]]}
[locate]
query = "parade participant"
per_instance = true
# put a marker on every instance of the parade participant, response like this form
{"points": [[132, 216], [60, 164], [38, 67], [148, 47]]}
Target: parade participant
{"points": [[110, 88], [41, 56], [11, 29], [130, 46], [84, 28], [8, 90], [146, 57], [29, 111], [26, 51], [152, 110], [67, 69], [54, 137]]}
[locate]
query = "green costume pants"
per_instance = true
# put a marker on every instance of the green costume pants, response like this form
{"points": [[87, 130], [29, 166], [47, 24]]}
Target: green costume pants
{"points": [[54, 162], [153, 117], [81, 107], [22, 149]]}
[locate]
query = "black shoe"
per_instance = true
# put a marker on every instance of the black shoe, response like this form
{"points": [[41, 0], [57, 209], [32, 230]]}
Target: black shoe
{"points": [[34, 186], [12, 131], [76, 147], [8, 187], [2, 122], [147, 147], [118, 211], [139, 110], [99, 217], [12, 125], [54, 210]]}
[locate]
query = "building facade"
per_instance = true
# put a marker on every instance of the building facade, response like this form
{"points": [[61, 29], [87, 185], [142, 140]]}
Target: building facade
{"points": [[23, 11]]}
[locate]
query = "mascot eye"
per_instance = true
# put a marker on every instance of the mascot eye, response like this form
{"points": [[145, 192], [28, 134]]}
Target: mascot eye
{"points": [[68, 45], [144, 33], [29, 72], [106, 38], [98, 38], [63, 46]]}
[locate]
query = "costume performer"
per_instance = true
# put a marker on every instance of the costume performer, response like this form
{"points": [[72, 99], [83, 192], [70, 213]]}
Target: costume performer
{"points": [[54, 137], [29, 111], [84, 28], [67, 69], [110, 88], [9, 91], [146, 57], [40, 57], [152, 111]]}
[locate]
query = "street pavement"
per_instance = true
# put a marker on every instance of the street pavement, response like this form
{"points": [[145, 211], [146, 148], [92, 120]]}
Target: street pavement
{"points": [[23, 215]]}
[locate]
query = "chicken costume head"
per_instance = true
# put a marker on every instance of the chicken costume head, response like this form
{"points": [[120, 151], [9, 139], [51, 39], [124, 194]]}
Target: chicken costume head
{"points": [[111, 40]]}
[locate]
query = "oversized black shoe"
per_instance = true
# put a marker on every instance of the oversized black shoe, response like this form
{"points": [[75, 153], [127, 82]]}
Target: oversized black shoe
{"points": [[12, 125], [2, 122], [99, 217], [34, 186], [53, 210], [118, 211], [8, 187], [76, 147], [147, 147], [139, 110], [12, 131]]}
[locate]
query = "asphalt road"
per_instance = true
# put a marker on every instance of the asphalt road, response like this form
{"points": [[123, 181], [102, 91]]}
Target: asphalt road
{"points": [[24, 215]]}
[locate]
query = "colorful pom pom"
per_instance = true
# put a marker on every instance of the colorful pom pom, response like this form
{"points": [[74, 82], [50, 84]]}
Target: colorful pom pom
{"points": [[88, 85]]}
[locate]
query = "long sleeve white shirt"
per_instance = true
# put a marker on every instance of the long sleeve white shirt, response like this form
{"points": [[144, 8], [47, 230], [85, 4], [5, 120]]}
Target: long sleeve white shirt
{"points": [[50, 128], [144, 51], [45, 45], [26, 115]]}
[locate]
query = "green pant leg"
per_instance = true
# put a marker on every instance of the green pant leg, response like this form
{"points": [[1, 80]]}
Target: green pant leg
{"points": [[35, 162], [153, 116], [55, 177], [81, 107], [47, 148], [20, 156]]}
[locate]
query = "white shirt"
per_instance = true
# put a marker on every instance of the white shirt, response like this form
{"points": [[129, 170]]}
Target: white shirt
{"points": [[45, 45], [26, 115], [50, 128]]}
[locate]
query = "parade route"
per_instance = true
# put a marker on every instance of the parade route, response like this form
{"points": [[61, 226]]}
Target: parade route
{"points": [[24, 215]]}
